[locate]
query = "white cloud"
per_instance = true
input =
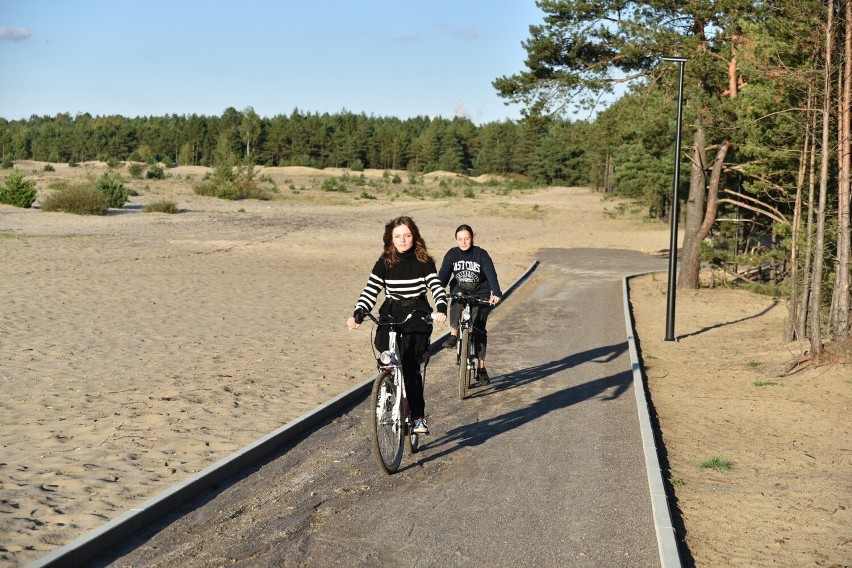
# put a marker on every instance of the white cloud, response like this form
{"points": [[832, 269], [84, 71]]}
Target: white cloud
{"points": [[460, 110], [469, 34], [14, 34]]}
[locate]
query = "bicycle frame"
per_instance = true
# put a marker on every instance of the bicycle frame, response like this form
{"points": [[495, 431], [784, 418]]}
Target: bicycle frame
{"points": [[390, 361], [466, 357], [390, 415]]}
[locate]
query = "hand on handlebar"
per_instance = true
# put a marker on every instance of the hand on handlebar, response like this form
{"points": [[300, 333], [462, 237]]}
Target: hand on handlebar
{"points": [[355, 320], [494, 300]]}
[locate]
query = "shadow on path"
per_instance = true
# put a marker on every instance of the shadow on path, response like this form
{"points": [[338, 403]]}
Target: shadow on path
{"points": [[478, 433], [523, 377]]}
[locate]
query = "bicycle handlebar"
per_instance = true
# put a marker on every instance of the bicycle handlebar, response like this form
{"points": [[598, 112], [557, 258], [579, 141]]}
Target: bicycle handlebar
{"points": [[460, 298], [424, 315]]}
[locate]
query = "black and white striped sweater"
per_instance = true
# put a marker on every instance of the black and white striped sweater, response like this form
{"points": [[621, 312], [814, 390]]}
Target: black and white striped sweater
{"points": [[410, 278]]}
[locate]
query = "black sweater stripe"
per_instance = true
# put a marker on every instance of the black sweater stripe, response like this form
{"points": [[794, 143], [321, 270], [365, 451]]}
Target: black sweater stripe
{"points": [[410, 278]]}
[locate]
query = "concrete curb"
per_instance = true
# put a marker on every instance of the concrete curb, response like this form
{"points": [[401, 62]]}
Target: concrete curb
{"points": [[96, 541], [666, 542]]}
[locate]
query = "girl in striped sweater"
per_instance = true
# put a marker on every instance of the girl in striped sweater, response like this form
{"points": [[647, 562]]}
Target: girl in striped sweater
{"points": [[404, 272]]}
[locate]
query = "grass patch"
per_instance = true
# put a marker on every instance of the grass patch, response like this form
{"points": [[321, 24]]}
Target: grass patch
{"points": [[161, 206], [753, 364], [335, 184], [765, 383], [676, 482], [717, 463], [531, 212]]}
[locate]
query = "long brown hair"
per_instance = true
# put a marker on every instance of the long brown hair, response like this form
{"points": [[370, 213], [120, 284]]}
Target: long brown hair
{"points": [[390, 255]]}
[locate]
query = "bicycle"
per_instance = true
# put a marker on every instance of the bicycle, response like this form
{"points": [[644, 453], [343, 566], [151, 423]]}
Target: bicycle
{"points": [[390, 417], [466, 358]]}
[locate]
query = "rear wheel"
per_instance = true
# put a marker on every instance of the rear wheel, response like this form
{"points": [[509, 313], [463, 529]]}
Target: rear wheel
{"points": [[412, 440], [464, 358], [386, 432]]}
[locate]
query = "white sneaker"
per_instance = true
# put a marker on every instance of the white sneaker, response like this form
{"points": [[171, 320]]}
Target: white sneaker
{"points": [[420, 426]]}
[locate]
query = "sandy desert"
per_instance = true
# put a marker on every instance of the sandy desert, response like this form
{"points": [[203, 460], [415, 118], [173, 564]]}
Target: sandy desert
{"points": [[138, 348]]}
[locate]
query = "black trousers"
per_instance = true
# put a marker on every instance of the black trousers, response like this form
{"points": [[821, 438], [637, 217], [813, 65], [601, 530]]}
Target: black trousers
{"points": [[411, 349], [413, 342]]}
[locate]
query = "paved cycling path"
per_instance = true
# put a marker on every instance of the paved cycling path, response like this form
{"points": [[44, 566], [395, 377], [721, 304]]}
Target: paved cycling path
{"points": [[542, 468]]}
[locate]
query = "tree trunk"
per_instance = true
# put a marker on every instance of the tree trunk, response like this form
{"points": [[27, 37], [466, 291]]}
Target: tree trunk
{"points": [[790, 328], [689, 261], [713, 192], [840, 303], [819, 244], [803, 315]]}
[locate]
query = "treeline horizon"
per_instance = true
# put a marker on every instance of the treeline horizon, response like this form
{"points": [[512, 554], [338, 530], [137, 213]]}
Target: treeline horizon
{"points": [[531, 148]]}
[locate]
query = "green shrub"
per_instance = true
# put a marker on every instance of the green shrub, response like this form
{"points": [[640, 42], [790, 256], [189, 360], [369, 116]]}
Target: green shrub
{"points": [[7, 163], [72, 163], [135, 170], [357, 165], [18, 191], [396, 179], [111, 185], [161, 206], [334, 184], [49, 168], [155, 172], [168, 162], [82, 199], [233, 188], [112, 163]]}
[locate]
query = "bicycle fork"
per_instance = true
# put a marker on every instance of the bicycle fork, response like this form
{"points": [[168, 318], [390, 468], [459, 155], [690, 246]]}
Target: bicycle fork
{"points": [[400, 407]]}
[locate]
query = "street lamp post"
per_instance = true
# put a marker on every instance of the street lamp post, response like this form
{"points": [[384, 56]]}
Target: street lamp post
{"points": [[670, 303]]}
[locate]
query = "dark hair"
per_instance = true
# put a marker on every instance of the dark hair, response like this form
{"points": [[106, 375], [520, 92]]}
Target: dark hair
{"points": [[390, 255], [467, 228]]}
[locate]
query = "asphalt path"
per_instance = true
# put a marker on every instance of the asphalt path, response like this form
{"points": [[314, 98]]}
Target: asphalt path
{"points": [[544, 467]]}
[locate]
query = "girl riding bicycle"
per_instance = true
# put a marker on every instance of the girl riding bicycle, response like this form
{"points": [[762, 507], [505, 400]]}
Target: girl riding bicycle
{"points": [[470, 270], [404, 272]]}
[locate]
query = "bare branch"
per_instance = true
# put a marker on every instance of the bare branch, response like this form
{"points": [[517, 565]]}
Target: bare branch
{"points": [[754, 200], [781, 220]]}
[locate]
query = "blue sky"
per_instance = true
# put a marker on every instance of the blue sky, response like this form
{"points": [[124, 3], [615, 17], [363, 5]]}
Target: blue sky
{"points": [[153, 58]]}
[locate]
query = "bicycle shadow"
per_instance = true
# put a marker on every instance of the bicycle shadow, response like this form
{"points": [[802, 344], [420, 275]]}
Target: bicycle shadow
{"points": [[521, 377], [480, 432]]}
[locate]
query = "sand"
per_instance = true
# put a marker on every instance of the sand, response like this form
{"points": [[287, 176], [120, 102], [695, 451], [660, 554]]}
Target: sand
{"points": [[139, 348]]}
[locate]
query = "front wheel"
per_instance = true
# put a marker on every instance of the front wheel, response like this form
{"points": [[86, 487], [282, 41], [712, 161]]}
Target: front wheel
{"points": [[464, 357], [386, 432]]}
